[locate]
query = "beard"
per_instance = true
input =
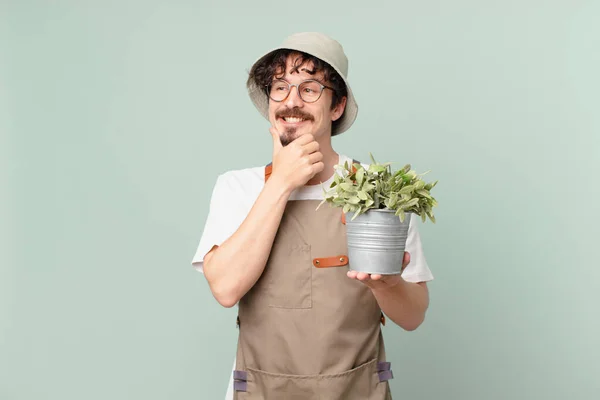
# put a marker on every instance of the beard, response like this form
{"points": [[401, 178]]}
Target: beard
{"points": [[288, 136]]}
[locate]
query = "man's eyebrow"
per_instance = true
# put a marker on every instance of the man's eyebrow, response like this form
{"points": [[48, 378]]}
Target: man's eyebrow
{"points": [[309, 71], [312, 72], [297, 69]]}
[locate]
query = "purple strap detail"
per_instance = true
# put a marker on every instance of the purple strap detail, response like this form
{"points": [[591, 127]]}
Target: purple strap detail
{"points": [[240, 386], [384, 366], [240, 375], [385, 375]]}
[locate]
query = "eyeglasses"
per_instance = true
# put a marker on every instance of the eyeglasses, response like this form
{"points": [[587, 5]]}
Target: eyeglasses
{"points": [[309, 91]]}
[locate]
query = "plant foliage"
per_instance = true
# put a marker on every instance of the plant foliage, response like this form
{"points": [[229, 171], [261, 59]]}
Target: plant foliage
{"points": [[356, 189]]}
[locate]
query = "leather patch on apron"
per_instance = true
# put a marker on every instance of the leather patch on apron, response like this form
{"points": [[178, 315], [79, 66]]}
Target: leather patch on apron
{"points": [[327, 262]]}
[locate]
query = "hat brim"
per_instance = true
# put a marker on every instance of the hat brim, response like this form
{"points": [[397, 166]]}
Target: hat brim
{"points": [[261, 100]]}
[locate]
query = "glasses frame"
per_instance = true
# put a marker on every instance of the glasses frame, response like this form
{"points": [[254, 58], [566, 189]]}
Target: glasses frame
{"points": [[297, 85]]}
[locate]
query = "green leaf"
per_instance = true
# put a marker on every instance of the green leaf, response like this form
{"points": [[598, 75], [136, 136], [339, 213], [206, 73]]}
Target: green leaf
{"points": [[368, 187], [400, 213], [430, 186], [363, 195], [423, 193], [409, 204], [393, 200], [431, 217], [360, 176], [346, 208], [372, 158], [412, 202], [376, 168], [407, 189], [354, 200]]}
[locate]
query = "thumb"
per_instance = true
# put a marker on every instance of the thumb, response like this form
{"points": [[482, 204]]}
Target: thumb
{"points": [[406, 260], [276, 140]]}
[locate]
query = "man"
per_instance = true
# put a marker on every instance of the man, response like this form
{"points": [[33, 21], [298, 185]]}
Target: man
{"points": [[308, 327]]}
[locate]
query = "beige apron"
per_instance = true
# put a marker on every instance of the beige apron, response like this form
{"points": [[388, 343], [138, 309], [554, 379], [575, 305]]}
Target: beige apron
{"points": [[307, 331]]}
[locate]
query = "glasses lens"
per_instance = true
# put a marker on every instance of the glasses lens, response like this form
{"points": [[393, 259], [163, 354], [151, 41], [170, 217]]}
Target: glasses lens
{"points": [[310, 91], [279, 90]]}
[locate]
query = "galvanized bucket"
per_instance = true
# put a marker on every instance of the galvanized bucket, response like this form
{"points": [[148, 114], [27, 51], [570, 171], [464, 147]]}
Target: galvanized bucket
{"points": [[376, 241]]}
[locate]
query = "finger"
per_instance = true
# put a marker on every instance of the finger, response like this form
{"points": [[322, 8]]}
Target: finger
{"points": [[276, 139], [304, 139], [406, 260], [311, 147], [318, 167], [315, 157], [376, 277], [352, 274], [363, 276]]}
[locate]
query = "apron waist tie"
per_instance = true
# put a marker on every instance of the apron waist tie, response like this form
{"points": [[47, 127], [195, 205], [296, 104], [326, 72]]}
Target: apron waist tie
{"points": [[384, 371], [240, 383]]}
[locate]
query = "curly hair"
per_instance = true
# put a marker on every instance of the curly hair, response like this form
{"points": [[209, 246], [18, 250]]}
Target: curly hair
{"points": [[274, 65]]}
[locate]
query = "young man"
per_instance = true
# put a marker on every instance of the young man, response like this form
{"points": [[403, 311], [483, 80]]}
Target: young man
{"points": [[308, 327]]}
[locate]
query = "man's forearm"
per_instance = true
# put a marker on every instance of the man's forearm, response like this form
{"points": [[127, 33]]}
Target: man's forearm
{"points": [[234, 267], [404, 303]]}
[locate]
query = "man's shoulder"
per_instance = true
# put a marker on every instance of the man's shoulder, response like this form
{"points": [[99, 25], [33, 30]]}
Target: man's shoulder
{"points": [[247, 179]]}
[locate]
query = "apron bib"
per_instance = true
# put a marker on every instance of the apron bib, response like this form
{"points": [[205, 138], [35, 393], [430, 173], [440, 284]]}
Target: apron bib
{"points": [[307, 331]]}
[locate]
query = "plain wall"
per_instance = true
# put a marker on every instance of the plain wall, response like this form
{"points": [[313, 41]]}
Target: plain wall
{"points": [[118, 116]]}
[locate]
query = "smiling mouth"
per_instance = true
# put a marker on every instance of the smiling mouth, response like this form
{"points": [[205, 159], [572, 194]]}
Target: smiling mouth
{"points": [[293, 120]]}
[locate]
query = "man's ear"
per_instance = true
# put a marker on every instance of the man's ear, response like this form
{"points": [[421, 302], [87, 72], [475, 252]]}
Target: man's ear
{"points": [[339, 109]]}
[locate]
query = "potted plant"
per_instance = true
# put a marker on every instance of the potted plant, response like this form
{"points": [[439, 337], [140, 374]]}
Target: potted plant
{"points": [[383, 202]]}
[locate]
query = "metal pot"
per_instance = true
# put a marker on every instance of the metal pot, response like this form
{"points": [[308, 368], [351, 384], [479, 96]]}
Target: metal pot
{"points": [[376, 241]]}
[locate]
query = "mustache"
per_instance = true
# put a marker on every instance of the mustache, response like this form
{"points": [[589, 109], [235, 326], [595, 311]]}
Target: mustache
{"points": [[293, 113]]}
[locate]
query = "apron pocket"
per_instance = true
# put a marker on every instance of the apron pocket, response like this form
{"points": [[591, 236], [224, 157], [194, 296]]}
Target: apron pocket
{"points": [[361, 383], [290, 277]]}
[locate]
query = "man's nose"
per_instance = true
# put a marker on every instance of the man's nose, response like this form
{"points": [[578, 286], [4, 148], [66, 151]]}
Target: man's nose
{"points": [[293, 99]]}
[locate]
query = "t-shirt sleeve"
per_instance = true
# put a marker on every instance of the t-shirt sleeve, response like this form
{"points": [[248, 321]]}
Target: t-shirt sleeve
{"points": [[226, 213], [418, 269]]}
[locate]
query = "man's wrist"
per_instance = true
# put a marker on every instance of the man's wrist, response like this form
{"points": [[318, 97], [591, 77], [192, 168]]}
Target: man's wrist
{"points": [[279, 187]]}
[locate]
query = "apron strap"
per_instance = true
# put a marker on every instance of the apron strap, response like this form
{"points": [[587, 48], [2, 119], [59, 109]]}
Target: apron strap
{"points": [[268, 171]]}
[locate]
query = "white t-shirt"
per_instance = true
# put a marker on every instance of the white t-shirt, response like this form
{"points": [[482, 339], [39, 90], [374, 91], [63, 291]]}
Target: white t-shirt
{"points": [[234, 195]]}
